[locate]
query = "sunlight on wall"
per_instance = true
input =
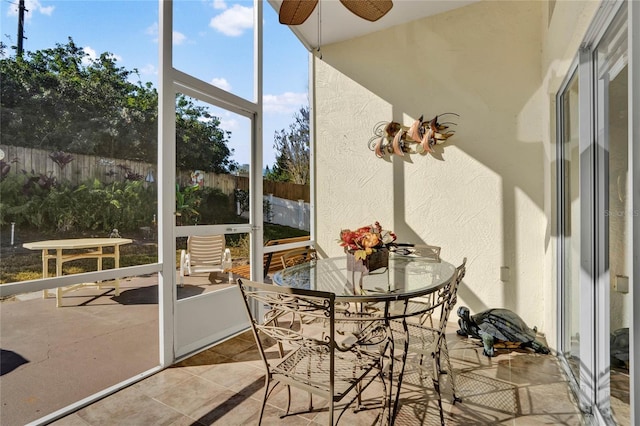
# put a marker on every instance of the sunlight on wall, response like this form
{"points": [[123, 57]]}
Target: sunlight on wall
{"points": [[530, 118], [530, 218], [466, 197]]}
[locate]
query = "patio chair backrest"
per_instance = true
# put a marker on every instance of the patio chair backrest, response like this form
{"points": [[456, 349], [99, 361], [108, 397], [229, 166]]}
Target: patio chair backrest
{"points": [[280, 301], [445, 299], [205, 250], [438, 305]]}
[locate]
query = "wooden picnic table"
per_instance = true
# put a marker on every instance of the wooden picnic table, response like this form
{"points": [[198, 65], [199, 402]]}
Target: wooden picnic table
{"points": [[96, 251]]}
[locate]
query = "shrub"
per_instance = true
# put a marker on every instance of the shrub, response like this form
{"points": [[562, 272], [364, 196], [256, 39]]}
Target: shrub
{"points": [[216, 207], [35, 201], [21, 199]]}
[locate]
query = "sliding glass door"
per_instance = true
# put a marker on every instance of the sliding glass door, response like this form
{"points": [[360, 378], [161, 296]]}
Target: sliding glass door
{"points": [[570, 191], [596, 217], [613, 220]]}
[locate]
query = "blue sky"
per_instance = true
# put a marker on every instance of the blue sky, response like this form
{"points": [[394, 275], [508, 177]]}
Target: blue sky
{"points": [[213, 40]]}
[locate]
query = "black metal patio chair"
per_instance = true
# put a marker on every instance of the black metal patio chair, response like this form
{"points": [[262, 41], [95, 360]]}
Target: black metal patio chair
{"points": [[329, 360]]}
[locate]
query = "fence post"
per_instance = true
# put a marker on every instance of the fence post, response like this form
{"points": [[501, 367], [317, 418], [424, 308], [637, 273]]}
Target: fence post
{"points": [[300, 214], [270, 212]]}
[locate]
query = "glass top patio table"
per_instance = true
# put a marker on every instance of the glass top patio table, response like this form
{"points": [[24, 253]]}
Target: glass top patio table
{"points": [[406, 277]]}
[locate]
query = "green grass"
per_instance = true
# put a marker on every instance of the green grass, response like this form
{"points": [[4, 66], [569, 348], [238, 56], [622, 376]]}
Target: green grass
{"points": [[28, 266], [15, 267], [276, 232]]}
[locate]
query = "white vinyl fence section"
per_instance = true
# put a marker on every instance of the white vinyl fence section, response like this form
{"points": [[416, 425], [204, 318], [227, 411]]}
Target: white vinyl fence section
{"points": [[296, 214], [288, 212]]}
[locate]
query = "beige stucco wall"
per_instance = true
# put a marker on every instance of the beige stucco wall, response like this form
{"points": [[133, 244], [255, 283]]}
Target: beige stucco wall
{"points": [[485, 194]]}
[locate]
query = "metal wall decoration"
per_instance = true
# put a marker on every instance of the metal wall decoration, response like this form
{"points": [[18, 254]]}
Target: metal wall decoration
{"points": [[394, 138]]}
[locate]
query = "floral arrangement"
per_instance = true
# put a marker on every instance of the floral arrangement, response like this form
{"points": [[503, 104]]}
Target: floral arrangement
{"points": [[366, 240]]}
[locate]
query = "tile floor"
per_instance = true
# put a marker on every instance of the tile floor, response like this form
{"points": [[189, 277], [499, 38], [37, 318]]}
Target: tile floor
{"points": [[224, 385]]}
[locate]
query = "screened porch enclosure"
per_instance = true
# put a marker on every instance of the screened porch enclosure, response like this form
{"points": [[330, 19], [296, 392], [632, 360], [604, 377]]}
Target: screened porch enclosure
{"points": [[535, 187]]}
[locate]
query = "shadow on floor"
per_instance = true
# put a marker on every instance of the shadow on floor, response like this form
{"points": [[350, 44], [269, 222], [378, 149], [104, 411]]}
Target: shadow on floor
{"points": [[149, 295], [9, 361], [224, 385]]}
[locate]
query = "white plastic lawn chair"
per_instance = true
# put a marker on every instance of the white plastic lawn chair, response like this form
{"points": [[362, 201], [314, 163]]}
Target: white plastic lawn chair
{"points": [[203, 254]]}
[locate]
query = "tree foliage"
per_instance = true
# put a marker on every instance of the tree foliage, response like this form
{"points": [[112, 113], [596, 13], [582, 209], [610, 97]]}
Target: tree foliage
{"points": [[61, 99], [200, 142], [292, 146], [279, 171]]}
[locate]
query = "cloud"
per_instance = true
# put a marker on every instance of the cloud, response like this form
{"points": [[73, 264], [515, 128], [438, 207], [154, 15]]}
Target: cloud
{"points": [[219, 4], [178, 38], [233, 22], [152, 30], [229, 124], [148, 69], [286, 103], [221, 83], [146, 72], [31, 6], [92, 56]]}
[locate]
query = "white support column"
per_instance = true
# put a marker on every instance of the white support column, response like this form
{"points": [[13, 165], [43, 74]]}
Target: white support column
{"points": [[255, 176], [312, 148], [166, 179], [634, 190]]}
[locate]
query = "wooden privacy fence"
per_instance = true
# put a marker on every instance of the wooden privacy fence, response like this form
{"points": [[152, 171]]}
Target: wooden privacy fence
{"points": [[287, 190], [107, 170]]}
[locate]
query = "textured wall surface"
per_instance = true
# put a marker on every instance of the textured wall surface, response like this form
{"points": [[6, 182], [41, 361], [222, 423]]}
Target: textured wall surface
{"points": [[484, 194]]}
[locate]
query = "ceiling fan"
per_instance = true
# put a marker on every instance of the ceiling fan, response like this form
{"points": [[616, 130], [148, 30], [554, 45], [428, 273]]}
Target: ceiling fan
{"points": [[295, 12]]}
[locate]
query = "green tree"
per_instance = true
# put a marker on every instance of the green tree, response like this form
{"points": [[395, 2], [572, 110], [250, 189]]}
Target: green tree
{"points": [[60, 99], [292, 146], [279, 171], [200, 142]]}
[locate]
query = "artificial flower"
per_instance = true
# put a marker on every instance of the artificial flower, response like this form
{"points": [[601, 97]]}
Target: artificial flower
{"points": [[366, 240]]}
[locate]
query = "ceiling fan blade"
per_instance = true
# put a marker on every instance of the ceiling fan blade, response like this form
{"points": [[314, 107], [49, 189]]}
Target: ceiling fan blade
{"points": [[371, 10], [295, 12]]}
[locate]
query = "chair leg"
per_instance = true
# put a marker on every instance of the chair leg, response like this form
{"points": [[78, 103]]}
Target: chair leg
{"points": [[264, 400], [384, 401], [436, 385], [183, 261], [452, 376], [288, 400], [331, 411]]}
